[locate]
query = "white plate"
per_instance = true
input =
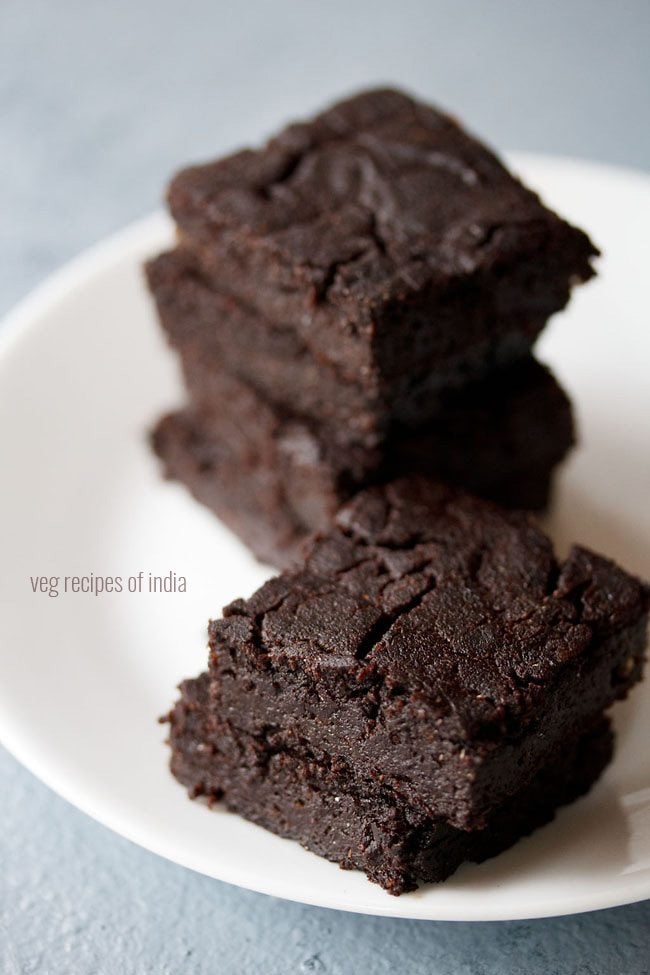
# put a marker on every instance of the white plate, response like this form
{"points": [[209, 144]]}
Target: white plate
{"points": [[83, 373]]}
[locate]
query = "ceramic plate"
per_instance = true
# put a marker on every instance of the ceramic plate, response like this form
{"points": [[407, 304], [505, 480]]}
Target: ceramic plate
{"points": [[83, 676]]}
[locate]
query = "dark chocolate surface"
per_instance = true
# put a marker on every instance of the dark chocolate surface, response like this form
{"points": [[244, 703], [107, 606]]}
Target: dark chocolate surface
{"points": [[379, 184], [384, 233]]}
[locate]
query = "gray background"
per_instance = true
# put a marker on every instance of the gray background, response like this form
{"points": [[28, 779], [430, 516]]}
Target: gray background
{"points": [[99, 102]]}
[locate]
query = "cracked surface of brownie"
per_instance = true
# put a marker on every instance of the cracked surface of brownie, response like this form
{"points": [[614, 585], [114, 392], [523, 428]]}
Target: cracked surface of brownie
{"points": [[433, 641]]}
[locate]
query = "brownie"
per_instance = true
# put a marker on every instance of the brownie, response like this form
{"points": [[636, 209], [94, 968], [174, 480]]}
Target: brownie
{"points": [[274, 478], [386, 236], [434, 643], [355, 821], [213, 333]]}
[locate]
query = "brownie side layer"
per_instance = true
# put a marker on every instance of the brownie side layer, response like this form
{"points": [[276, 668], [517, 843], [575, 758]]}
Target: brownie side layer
{"points": [[247, 496], [386, 235], [433, 640], [518, 420], [356, 822], [250, 496], [213, 332], [275, 479]]}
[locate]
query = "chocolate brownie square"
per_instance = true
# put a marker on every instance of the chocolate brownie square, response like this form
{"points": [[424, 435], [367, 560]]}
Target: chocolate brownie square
{"points": [[387, 237], [435, 644], [275, 478], [359, 822]]}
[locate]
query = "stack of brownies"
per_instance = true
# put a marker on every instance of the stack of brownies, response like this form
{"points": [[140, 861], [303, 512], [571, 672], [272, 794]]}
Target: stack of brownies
{"points": [[354, 302], [354, 306]]}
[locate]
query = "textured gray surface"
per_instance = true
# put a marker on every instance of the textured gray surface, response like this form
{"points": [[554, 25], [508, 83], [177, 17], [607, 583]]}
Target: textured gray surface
{"points": [[98, 103]]}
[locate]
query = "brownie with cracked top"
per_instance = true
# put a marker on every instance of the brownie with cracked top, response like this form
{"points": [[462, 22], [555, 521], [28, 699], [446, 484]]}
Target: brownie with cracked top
{"points": [[434, 643], [355, 821], [386, 236]]}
